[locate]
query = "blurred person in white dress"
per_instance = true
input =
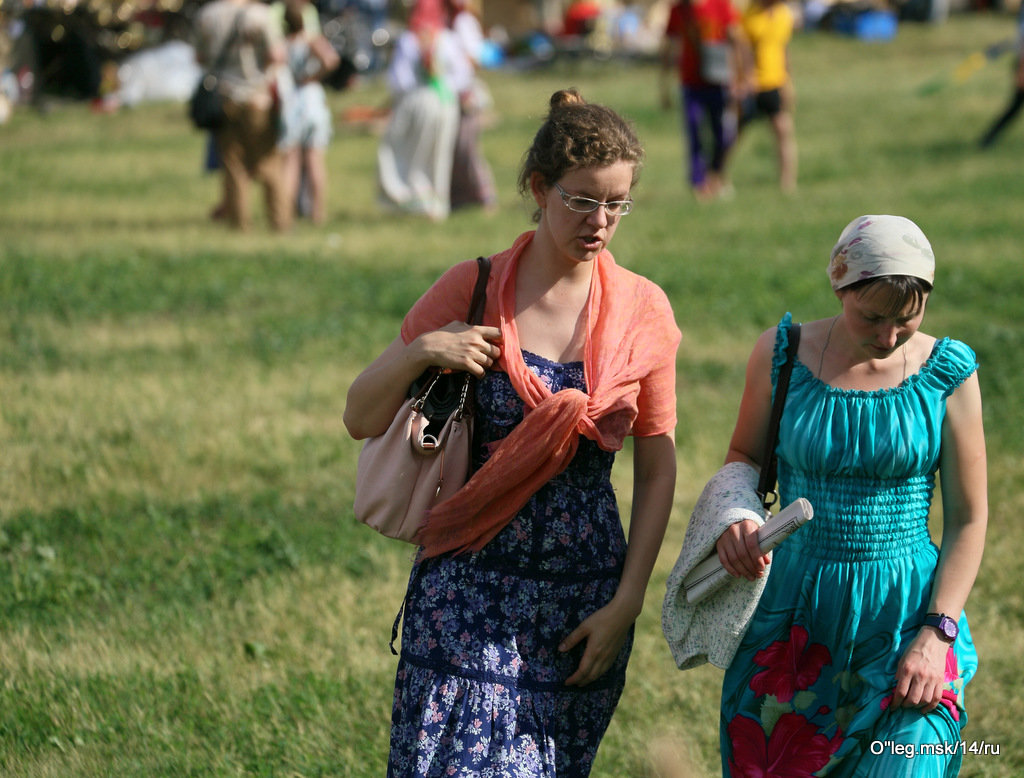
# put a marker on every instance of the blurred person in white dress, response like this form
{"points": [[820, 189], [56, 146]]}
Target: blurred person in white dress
{"points": [[415, 155]]}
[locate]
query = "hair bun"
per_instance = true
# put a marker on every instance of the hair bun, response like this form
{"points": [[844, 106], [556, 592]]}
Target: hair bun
{"points": [[564, 97]]}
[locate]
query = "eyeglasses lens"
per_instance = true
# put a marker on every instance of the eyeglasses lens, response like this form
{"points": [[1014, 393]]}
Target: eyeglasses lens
{"points": [[587, 205]]}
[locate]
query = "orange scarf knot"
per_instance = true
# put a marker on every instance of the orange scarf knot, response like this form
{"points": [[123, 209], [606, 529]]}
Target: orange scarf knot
{"points": [[629, 367]]}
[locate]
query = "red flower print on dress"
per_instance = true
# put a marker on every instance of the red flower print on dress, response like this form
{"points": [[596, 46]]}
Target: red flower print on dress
{"points": [[952, 665], [790, 666], [796, 749], [952, 675]]}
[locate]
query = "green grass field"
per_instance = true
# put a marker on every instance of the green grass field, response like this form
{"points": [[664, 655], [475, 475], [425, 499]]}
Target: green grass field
{"points": [[183, 589]]}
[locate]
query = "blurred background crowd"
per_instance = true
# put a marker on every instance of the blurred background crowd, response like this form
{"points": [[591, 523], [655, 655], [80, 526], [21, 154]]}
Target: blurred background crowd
{"points": [[121, 52]]}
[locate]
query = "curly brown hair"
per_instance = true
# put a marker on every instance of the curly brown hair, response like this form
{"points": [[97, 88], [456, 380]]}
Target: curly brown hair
{"points": [[578, 134]]}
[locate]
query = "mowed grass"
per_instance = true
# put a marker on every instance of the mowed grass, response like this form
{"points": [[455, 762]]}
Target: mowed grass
{"points": [[183, 589]]}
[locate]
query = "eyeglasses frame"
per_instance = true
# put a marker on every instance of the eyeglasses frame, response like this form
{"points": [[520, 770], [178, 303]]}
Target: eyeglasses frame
{"points": [[626, 206]]}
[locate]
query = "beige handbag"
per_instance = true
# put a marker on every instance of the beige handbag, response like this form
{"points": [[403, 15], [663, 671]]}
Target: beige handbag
{"points": [[403, 472], [420, 461]]}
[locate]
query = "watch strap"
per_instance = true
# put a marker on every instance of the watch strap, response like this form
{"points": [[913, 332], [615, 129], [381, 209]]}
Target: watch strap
{"points": [[946, 626]]}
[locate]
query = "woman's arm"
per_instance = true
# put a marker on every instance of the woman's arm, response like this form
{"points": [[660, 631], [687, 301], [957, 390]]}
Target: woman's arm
{"points": [[379, 391], [744, 80], [751, 430], [325, 55], [654, 481], [401, 73], [738, 549], [920, 677]]}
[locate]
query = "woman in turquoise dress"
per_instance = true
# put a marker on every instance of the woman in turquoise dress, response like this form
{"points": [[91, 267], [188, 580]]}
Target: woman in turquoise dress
{"points": [[857, 656]]}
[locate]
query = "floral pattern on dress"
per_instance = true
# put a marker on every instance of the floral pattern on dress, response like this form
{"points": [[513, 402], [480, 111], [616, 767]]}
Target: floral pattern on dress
{"points": [[789, 666], [792, 747], [480, 684]]}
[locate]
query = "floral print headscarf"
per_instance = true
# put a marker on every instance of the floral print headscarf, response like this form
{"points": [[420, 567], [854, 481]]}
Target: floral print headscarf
{"points": [[873, 246]]}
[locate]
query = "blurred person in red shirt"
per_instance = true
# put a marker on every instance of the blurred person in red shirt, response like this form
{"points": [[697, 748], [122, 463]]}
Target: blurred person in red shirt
{"points": [[703, 40]]}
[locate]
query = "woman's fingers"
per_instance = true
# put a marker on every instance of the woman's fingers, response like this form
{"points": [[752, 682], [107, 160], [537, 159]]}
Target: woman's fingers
{"points": [[459, 346], [739, 551]]}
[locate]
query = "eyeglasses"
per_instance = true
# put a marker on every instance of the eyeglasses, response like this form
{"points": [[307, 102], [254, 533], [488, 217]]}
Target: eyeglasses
{"points": [[579, 204]]}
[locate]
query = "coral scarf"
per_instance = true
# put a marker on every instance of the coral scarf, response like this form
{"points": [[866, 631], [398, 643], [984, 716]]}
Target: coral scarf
{"points": [[629, 367]]}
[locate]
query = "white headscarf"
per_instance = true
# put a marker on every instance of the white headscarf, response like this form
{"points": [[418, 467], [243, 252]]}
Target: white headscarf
{"points": [[873, 246]]}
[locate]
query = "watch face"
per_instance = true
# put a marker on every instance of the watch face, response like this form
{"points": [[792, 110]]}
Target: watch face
{"points": [[949, 627], [944, 624]]}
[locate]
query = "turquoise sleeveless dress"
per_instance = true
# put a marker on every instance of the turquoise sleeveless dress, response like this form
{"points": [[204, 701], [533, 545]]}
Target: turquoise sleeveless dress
{"points": [[808, 691]]}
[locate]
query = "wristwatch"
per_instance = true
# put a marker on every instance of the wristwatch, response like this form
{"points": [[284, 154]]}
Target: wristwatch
{"points": [[944, 624]]}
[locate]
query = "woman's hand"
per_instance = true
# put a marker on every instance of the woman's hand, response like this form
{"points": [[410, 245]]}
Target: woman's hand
{"points": [[379, 391], [739, 551], [605, 630], [921, 673], [459, 346]]}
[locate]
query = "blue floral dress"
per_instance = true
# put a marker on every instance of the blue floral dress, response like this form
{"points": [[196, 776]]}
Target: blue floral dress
{"points": [[808, 691], [480, 685]]}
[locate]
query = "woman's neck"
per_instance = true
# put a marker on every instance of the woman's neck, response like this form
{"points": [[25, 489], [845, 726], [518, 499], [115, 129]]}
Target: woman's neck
{"points": [[551, 305]]}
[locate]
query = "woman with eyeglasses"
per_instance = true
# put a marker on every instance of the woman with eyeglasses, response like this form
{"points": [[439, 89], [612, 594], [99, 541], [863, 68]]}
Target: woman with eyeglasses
{"points": [[520, 608]]}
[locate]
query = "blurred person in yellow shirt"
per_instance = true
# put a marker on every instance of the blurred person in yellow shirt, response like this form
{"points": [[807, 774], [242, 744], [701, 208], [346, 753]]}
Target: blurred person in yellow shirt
{"points": [[768, 26]]}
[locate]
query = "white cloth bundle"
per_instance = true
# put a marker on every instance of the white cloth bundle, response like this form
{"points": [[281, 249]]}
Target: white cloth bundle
{"points": [[711, 630]]}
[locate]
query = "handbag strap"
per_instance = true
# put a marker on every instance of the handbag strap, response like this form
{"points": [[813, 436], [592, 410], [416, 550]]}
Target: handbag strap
{"points": [[475, 316], [479, 300], [222, 56], [769, 462], [422, 386]]}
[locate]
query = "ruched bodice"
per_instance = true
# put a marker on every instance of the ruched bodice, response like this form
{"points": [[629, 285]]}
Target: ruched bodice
{"points": [[877, 519]]}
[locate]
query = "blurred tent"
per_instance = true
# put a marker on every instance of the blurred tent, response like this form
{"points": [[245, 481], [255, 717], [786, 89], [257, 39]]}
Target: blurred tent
{"points": [[72, 49], [140, 49]]}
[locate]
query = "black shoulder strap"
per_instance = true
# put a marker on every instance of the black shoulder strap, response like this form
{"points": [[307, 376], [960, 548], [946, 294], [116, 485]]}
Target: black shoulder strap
{"points": [[222, 55], [479, 300], [769, 464]]}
